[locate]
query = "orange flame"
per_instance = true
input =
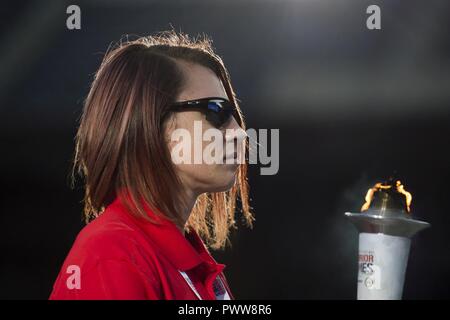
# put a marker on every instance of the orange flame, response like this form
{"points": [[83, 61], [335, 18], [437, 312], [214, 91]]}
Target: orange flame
{"points": [[408, 196], [379, 186]]}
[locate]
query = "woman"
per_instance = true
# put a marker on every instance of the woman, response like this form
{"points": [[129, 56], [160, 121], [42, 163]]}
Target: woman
{"points": [[146, 213]]}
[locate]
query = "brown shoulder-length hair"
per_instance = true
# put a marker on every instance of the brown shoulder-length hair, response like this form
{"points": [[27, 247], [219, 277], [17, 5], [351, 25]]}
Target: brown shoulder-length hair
{"points": [[121, 145]]}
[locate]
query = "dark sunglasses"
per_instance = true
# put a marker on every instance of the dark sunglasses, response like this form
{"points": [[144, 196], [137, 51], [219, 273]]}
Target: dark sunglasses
{"points": [[218, 111]]}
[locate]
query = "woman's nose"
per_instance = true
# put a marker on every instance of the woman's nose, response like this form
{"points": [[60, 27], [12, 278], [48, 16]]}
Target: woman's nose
{"points": [[234, 131]]}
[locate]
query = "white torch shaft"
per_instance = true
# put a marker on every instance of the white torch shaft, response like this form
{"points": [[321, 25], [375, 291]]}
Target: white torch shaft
{"points": [[382, 265]]}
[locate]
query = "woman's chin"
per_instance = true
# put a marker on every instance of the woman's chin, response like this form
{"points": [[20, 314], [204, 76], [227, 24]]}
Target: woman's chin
{"points": [[226, 184]]}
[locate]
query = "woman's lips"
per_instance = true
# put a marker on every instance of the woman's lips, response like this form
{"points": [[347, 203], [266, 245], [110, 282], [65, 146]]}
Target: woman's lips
{"points": [[230, 156]]}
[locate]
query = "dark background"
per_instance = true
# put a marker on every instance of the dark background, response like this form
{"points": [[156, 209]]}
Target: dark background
{"points": [[352, 106]]}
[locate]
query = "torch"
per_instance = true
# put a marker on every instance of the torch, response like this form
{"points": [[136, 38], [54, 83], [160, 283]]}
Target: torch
{"points": [[386, 227]]}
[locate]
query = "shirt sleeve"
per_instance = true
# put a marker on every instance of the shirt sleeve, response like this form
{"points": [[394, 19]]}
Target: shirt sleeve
{"points": [[108, 280]]}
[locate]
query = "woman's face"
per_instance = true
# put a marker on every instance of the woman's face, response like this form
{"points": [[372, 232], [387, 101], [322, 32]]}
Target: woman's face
{"points": [[202, 177]]}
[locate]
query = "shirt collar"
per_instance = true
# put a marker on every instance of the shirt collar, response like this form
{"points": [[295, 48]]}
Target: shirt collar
{"points": [[184, 252]]}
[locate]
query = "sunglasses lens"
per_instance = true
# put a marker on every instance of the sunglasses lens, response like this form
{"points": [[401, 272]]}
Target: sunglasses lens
{"points": [[218, 115], [214, 106]]}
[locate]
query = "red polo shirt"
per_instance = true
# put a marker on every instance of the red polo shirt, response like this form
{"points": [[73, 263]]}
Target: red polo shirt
{"points": [[119, 256]]}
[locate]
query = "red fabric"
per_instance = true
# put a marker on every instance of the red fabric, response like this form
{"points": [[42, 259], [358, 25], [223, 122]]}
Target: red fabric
{"points": [[123, 257]]}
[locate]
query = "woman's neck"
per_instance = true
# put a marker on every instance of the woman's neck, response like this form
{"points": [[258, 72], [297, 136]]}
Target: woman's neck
{"points": [[186, 208]]}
